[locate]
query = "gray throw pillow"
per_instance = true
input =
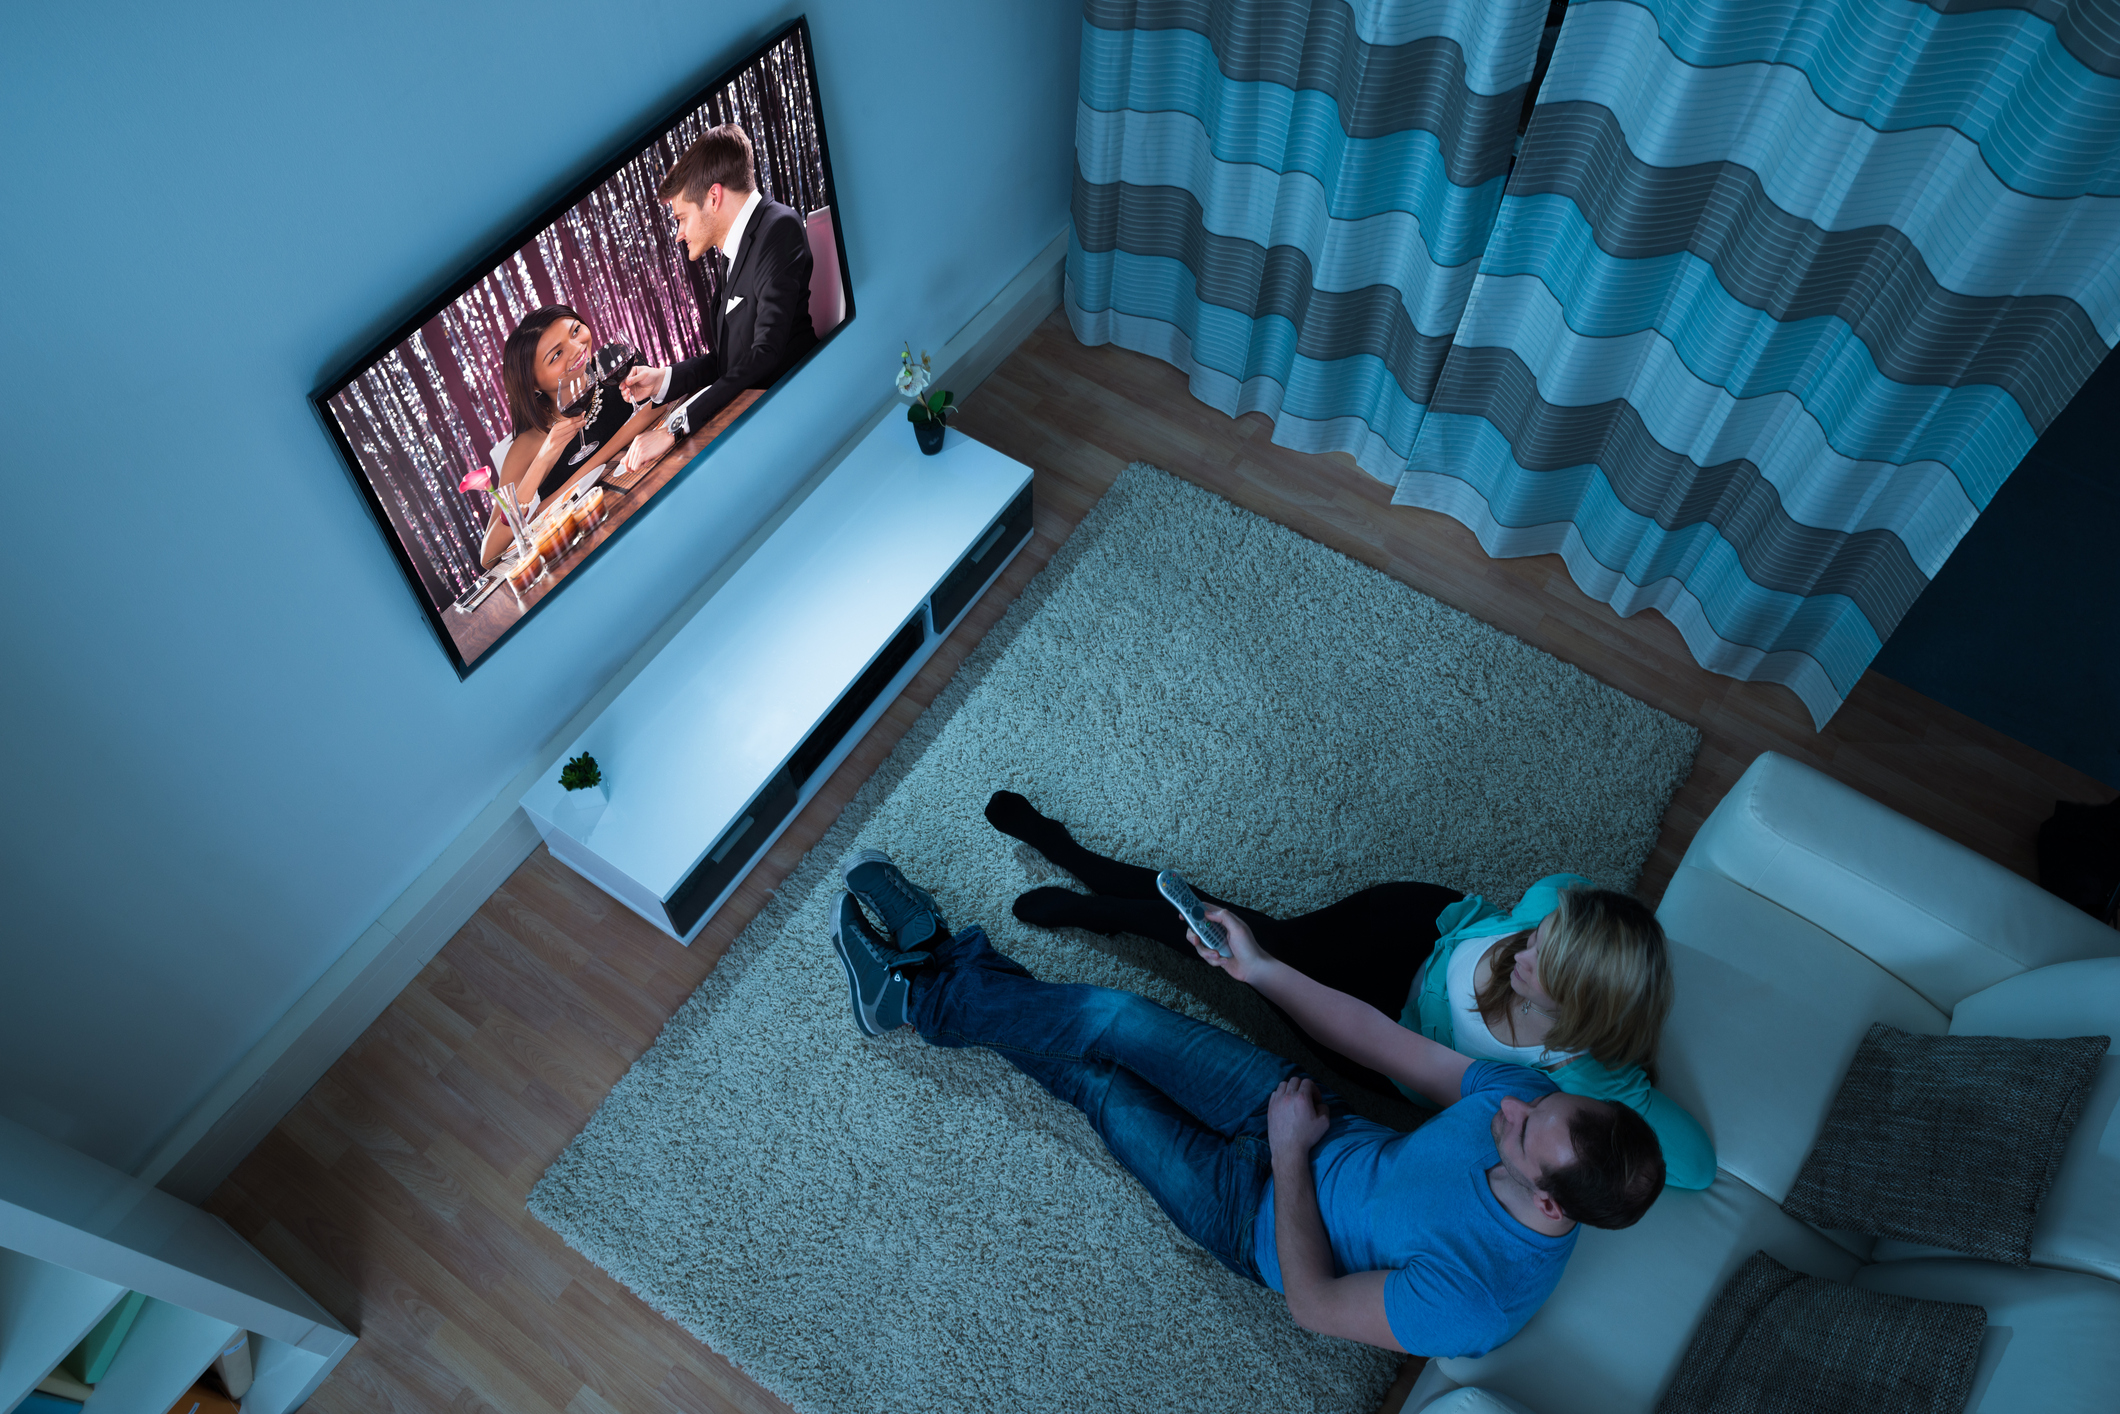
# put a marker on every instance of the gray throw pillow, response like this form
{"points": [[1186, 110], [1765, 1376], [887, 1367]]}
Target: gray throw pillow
{"points": [[1779, 1342], [1952, 1141]]}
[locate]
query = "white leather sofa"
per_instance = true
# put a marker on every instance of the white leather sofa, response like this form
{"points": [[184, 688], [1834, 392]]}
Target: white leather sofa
{"points": [[1803, 912]]}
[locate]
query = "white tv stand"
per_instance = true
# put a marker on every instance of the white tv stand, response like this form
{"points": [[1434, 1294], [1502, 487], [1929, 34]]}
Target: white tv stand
{"points": [[741, 718]]}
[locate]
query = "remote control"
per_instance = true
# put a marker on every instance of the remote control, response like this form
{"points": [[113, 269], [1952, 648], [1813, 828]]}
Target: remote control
{"points": [[1172, 886]]}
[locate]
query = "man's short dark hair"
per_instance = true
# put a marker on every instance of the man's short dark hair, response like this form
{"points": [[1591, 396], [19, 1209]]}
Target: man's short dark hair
{"points": [[721, 157], [1618, 1169]]}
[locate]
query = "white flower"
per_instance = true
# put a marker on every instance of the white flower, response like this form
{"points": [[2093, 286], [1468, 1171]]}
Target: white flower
{"points": [[912, 380]]}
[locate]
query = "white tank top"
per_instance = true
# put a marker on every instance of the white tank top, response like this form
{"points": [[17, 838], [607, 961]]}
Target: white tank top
{"points": [[1468, 1028]]}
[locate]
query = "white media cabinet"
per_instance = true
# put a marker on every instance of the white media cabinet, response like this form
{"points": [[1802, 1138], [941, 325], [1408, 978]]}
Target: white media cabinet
{"points": [[76, 1235], [710, 752]]}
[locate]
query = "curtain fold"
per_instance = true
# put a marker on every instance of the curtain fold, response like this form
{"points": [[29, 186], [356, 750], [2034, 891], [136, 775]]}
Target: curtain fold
{"points": [[1777, 297], [1288, 200], [1767, 303]]}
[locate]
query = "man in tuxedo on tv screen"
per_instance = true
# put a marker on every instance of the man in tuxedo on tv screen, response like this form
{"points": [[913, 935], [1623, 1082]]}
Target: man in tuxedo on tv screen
{"points": [[757, 319]]}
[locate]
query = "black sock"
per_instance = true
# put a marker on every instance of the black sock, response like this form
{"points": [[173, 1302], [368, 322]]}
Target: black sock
{"points": [[1017, 818]]}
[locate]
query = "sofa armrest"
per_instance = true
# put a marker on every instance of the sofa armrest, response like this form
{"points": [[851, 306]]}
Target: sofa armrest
{"points": [[1940, 918]]}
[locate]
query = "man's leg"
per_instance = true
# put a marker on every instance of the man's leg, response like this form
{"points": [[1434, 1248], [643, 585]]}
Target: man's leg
{"points": [[971, 995], [1208, 1184], [1181, 1105]]}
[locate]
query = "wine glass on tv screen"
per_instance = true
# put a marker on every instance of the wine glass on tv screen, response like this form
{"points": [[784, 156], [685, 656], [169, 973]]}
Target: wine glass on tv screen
{"points": [[481, 375]]}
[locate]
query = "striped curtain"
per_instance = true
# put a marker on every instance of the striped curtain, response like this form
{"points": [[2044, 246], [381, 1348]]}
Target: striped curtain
{"points": [[1780, 292], [1288, 199]]}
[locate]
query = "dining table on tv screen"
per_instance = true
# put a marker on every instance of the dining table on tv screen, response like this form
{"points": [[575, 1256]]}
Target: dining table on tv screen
{"points": [[566, 533]]}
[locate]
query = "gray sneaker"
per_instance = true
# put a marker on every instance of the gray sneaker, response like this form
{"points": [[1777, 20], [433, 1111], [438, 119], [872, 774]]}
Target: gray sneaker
{"points": [[874, 968], [906, 911]]}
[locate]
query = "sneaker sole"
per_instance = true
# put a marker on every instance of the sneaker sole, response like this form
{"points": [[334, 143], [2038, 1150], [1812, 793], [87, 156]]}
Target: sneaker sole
{"points": [[876, 856], [862, 1018]]}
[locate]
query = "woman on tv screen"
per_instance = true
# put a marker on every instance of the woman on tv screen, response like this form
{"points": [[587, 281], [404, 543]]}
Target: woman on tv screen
{"points": [[548, 450]]}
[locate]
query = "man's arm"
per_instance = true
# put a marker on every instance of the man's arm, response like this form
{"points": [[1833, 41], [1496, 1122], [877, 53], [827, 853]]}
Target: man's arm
{"points": [[1351, 1307], [1349, 1025], [687, 377], [780, 293], [781, 298]]}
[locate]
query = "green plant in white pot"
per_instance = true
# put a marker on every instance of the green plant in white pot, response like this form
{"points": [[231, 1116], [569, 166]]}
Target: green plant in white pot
{"points": [[582, 774], [583, 795]]}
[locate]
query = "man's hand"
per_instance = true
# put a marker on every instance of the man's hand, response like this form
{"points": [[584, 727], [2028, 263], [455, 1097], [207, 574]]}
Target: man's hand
{"points": [[649, 447], [1247, 961], [1295, 1118], [642, 384]]}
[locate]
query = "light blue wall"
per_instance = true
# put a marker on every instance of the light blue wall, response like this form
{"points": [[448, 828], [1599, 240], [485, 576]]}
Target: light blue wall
{"points": [[231, 739]]}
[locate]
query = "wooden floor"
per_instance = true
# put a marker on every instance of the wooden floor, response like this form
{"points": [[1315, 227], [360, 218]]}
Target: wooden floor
{"points": [[394, 1192]]}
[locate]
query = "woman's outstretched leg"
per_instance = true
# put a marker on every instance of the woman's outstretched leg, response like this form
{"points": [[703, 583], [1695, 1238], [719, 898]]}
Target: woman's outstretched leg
{"points": [[1368, 945], [1016, 817], [1123, 897], [1055, 907]]}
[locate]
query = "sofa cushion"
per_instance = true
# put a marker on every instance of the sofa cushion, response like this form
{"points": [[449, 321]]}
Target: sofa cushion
{"points": [[2076, 1228], [1951, 1141], [1776, 1340], [1769, 1012], [2050, 1342], [1944, 920], [1610, 1337]]}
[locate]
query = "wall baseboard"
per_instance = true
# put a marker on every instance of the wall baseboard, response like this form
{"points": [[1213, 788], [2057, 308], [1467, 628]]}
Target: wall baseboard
{"points": [[244, 1106]]}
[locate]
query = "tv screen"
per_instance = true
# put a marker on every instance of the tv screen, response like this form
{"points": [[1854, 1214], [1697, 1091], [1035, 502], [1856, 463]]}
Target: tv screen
{"points": [[508, 434]]}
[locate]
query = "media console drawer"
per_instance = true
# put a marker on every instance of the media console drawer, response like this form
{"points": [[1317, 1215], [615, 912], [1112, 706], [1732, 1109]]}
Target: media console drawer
{"points": [[721, 740]]}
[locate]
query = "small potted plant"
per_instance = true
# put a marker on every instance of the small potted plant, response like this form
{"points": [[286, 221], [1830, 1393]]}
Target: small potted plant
{"points": [[929, 410], [582, 773], [585, 796]]}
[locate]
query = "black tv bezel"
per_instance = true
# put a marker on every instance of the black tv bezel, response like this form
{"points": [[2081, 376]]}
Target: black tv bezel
{"points": [[479, 268]]}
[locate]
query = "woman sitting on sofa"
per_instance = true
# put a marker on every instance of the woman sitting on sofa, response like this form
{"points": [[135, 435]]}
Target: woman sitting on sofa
{"points": [[1575, 982]]}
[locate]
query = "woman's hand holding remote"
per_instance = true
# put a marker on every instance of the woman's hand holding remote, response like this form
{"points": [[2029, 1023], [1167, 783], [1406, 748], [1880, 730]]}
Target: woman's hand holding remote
{"points": [[1247, 961]]}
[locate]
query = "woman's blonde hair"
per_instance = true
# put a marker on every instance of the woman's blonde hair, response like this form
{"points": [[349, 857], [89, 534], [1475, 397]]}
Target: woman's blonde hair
{"points": [[1605, 965]]}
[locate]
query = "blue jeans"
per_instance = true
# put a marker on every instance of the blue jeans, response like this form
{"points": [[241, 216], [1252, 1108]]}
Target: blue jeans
{"points": [[1180, 1104]]}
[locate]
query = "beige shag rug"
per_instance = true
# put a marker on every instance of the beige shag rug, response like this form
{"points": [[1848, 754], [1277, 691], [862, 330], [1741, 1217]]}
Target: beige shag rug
{"points": [[874, 1225]]}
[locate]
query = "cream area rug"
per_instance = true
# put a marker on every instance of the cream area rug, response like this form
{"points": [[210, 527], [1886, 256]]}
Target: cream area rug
{"points": [[875, 1225]]}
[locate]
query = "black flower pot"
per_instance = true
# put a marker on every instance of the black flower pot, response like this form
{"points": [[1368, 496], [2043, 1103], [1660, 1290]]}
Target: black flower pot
{"points": [[929, 431]]}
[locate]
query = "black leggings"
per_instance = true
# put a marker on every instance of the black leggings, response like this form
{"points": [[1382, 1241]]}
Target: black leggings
{"points": [[1368, 945]]}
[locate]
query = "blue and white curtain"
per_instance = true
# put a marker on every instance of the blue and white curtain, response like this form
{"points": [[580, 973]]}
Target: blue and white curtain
{"points": [[1778, 295], [1289, 200]]}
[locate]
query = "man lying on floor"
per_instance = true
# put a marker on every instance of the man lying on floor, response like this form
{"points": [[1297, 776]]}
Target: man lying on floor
{"points": [[1441, 1241]]}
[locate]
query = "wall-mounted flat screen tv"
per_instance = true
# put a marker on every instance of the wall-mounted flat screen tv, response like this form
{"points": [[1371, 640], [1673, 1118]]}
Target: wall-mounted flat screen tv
{"points": [[508, 434]]}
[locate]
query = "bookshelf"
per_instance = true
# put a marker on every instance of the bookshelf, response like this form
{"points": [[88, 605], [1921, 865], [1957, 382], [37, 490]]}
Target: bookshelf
{"points": [[76, 1235]]}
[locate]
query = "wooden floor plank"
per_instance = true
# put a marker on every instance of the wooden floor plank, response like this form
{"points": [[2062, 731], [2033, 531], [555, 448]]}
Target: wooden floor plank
{"points": [[394, 1192]]}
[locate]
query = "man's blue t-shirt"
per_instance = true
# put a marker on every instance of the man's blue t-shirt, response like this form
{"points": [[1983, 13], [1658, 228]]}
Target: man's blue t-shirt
{"points": [[1465, 1275]]}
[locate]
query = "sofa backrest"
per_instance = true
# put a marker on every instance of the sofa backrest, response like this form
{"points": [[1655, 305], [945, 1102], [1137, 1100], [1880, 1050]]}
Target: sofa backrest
{"points": [[1942, 919], [1770, 1009]]}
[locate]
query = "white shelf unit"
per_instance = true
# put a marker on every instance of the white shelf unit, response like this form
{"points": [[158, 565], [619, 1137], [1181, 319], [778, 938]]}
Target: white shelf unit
{"points": [[719, 742], [76, 1235]]}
